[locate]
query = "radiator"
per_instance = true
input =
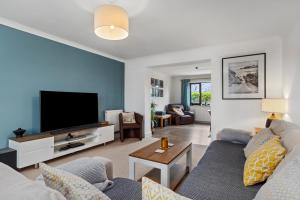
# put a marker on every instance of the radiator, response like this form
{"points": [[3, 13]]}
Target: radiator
{"points": [[112, 116]]}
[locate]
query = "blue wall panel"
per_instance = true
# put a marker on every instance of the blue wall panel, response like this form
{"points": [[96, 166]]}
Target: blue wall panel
{"points": [[29, 63]]}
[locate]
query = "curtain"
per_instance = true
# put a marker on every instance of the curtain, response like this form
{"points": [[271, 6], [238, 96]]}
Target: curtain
{"points": [[185, 93]]}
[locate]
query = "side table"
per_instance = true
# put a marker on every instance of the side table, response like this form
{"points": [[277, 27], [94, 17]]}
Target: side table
{"points": [[161, 119]]}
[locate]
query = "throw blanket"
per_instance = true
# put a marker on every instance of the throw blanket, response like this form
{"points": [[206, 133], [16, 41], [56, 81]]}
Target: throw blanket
{"points": [[90, 169]]}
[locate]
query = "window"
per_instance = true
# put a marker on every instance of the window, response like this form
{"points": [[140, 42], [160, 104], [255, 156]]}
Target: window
{"points": [[200, 93]]}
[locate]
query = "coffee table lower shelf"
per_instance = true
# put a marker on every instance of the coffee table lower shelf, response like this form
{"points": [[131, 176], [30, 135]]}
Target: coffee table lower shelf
{"points": [[164, 168]]}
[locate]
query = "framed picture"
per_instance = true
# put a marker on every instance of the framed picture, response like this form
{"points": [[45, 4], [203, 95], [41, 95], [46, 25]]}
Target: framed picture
{"points": [[152, 82], [161, 84], [156, 84], [152, 92], [161, 93], [244, 77]]}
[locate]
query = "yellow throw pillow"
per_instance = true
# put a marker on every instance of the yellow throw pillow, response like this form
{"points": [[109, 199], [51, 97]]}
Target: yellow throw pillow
{"points": [[263, 161], [154, 191]]}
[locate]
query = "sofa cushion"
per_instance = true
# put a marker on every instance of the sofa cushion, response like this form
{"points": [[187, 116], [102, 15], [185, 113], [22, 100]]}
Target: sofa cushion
{"points": [[284, 186], [178, 111], [281, 127], [125, 189], [71, 186], [128, 118], [291, 139], [257, 141], [262, 162], [14, 185], [295, 153], [219, 175], [234, 135]]}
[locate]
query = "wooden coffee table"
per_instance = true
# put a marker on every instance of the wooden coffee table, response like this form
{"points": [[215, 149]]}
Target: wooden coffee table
{"points": [[163, 161]]}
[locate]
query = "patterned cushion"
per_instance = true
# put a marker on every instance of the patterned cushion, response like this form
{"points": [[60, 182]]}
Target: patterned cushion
{"points": [[262, 162], [258, 140], [128, 118], [71, 186], [284, 186], [155, 191], [178, 111]]}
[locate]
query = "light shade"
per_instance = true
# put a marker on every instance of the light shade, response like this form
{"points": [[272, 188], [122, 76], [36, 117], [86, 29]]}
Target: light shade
{"points": [[111, 22], [274, 105]]}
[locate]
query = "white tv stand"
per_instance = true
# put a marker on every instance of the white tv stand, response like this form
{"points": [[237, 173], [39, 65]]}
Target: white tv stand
{"points": [[33, 149]]}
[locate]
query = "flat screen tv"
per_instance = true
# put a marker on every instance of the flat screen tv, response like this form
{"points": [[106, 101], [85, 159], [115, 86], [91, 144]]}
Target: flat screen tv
{"points": [[62, 110]]}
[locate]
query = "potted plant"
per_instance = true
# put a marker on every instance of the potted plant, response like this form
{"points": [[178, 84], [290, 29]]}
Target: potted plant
{"points": [[153, 121]]}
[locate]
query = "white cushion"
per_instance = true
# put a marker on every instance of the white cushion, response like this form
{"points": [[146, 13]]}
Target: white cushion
{"points": [[128, 118], [284, 186], [69, 185], [257, 141]]}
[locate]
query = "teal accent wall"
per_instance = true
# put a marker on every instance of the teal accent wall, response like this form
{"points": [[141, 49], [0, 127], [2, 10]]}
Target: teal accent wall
{"points": [[29, 63]]}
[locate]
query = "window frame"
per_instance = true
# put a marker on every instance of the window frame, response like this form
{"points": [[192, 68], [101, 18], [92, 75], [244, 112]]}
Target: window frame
{"points": [[200, 96], [200, 91]]}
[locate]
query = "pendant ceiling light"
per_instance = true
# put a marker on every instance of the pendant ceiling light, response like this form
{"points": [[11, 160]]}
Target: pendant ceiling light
{"points": [[111, 22]]}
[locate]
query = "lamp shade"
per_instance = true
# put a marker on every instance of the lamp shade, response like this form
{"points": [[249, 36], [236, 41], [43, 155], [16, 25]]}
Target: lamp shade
{"points": [[274, 105], [111, 22]]}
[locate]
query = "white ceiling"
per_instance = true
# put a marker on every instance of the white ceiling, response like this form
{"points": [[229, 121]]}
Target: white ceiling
{"points": [[185, 69], [158, 26]]}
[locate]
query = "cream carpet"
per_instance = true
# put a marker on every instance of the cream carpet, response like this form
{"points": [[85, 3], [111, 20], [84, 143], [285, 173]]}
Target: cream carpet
{"points": [[118, 152]]}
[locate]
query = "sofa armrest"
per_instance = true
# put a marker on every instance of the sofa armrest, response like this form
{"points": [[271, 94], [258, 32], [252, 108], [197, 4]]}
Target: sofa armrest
{"points": [[108, 165], [174, 114], [234, 135], [139, 118], [189, 113]]}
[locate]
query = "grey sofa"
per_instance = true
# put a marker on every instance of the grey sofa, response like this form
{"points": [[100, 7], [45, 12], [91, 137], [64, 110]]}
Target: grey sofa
{"points": [[219, 175]]}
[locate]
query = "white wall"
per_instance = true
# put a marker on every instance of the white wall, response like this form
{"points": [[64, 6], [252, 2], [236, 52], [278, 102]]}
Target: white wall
{"points": [[175, 96], [201, 112], [244, 114], [161, 102], [291, 73]]}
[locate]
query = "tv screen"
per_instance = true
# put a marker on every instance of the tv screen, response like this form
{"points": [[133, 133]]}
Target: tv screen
{"points": [[60, 110]]}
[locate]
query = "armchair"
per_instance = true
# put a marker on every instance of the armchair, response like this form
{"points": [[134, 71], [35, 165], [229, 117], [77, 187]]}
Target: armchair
{"points": [[132, 130], [187, 118]]}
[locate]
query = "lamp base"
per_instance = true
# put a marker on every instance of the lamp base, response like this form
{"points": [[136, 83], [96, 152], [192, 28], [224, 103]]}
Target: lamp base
{"points": [[271, 118], [268, 122]]}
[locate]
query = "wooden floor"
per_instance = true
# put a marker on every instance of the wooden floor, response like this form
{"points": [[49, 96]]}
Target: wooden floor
{"points": [[195, 133]]}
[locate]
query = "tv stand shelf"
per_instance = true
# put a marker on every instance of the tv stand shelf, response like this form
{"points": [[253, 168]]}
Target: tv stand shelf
{"points": [[33, 149], [65, 142]]}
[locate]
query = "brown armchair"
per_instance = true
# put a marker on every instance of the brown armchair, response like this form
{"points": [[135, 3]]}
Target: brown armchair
{"points": [[187, 118], [132, 130]]}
